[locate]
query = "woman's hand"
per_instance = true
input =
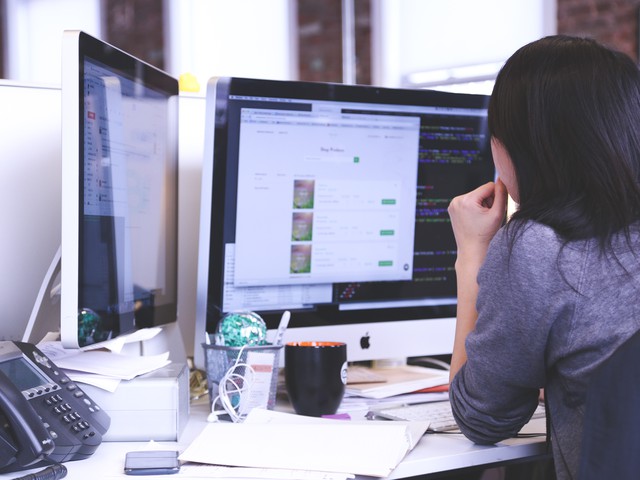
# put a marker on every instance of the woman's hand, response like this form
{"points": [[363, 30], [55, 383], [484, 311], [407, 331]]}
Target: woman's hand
{"points": [[476, 217]]}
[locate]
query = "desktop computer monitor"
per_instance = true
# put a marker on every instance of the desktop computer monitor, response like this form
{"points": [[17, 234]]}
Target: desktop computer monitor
{"points": [[119, 192], [330, 201]]}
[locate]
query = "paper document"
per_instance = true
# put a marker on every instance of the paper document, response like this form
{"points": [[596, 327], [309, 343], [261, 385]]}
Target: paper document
{"points": [[116, 365], [270, 439], [399, 380], [117, 344]]}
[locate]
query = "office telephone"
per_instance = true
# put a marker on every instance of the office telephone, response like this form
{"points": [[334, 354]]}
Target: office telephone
{"points": [[44, 416]]}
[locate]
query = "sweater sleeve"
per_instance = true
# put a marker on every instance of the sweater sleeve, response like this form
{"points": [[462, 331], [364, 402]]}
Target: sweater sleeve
{"points": [[520, 294]]}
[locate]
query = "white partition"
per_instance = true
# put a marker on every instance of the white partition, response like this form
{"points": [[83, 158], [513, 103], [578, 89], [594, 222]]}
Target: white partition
{"points": [[29, 198]]}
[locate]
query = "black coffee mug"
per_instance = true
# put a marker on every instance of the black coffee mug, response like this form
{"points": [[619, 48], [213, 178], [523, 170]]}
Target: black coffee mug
{"points": [[315, 376]]}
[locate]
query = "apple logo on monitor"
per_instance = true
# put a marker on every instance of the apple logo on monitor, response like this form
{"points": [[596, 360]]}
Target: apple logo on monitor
{"points": [[365, 341]]}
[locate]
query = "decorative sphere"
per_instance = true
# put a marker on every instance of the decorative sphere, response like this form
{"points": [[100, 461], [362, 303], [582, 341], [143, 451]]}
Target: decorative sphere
{"points": [[242, 328]]}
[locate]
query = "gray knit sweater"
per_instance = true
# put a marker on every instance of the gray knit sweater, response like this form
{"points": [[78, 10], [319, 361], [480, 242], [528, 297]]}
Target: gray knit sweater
{"points": [[548, 315]]}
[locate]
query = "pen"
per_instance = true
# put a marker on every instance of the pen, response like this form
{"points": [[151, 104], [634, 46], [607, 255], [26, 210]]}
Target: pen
{"points": [[282, 326], [373, 413]]}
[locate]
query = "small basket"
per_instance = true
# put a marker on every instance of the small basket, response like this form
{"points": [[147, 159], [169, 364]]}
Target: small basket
{"points": [[220, 359]]}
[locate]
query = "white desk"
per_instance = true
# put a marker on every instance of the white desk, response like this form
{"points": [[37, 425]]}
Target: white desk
{"points": [[434, 453]]}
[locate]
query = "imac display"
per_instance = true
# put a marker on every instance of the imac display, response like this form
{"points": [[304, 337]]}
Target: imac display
{"points": [[330, 201], [119, 193]]}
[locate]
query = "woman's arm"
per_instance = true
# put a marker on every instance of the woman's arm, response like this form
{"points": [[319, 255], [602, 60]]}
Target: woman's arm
{"points": [[475, 218]]}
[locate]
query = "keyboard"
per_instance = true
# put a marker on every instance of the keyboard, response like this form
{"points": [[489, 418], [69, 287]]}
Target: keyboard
{"points": [[438, 414]]}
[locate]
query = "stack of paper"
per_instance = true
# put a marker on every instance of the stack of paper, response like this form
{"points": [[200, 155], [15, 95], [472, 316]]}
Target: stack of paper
{"points": [[268, 439], [399, 380], [102, 365]]}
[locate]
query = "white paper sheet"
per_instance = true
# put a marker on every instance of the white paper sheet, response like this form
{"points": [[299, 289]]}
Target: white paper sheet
{"points": [[193, 471], [270, 439], [116, 365]]}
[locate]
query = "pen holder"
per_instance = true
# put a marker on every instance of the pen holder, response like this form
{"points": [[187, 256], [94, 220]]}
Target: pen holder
{"points": [[244, 387]]}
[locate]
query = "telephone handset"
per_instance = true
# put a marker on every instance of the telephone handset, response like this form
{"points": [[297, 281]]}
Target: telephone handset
{"points": [[44, 416]]}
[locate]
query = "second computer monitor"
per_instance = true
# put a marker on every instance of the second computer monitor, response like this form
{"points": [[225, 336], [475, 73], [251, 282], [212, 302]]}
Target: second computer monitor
{"points": [[119, 192]]}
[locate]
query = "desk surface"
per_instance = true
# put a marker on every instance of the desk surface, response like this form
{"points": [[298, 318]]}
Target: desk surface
{"points": [[434, 453]]}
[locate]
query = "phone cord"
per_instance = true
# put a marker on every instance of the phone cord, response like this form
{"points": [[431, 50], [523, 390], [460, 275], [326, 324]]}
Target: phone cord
{"points": [[53, 472]]}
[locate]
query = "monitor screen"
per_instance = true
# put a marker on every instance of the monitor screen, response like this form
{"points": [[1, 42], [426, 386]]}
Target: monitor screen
{"points": [[330, 201], [119, 200]]}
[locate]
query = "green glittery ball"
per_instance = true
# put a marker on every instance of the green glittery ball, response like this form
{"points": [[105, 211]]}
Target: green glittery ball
{"points": [[242, 328]]}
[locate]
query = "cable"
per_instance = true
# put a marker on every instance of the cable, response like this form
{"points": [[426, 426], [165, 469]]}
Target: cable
{"points": [[230, 390], [53, 472]]}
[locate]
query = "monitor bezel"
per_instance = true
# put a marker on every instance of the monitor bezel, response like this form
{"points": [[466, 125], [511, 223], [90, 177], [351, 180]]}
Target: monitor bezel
{"points": [[76, 45]]}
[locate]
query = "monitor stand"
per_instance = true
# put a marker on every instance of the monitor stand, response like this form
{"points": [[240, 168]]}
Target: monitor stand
{"points": [[44, 321]]}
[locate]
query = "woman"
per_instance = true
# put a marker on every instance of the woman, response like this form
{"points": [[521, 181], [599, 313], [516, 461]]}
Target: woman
{"points": [[543, 300]]}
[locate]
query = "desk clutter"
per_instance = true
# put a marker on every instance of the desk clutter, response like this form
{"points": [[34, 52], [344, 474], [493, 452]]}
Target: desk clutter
{"points": [[146, 397], [345, 445], [245, 431]]}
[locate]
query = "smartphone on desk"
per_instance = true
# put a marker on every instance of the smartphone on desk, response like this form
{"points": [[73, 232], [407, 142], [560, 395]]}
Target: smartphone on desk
{"points": [[152, 462]]}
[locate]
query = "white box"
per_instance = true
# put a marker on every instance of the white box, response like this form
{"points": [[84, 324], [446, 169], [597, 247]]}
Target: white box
{"points": [[154, 406]]}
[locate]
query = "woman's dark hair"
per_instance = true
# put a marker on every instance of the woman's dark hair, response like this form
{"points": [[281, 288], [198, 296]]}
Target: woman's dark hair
{"points": [[567, 110]]}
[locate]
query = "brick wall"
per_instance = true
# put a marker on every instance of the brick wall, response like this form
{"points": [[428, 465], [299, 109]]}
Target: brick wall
{"points": [[320, 40], [612, 22], [136, 26]]}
